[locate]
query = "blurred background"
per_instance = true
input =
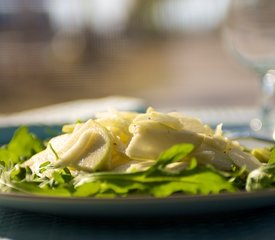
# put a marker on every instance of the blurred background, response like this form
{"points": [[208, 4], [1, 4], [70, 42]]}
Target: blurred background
{"points": [[169, 52]]}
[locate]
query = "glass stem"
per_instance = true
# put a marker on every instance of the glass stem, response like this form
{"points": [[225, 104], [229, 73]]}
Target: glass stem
{"points": [[268, 89]]}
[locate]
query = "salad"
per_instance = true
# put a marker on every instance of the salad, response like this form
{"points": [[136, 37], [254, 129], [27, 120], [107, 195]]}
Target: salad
{"points": [[118, 154]]}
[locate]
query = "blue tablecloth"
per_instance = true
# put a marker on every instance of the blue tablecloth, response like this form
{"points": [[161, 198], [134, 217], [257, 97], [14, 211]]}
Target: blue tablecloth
{"points": [[253, 224]]}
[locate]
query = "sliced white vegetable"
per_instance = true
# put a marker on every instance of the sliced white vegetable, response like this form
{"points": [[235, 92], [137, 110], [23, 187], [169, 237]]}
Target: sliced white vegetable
{"points": [[151, 138], [88, 148], [226, 154], [126, 141], [165, 119], [192, 124], [241, 158]]}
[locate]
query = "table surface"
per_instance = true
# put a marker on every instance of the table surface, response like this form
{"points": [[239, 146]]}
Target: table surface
{"points": [[254, 224]]}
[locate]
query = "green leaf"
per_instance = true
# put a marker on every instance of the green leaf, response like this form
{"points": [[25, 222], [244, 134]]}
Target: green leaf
{"points": [[32, 188], [54, 152], [18, 173], [44, 166], [21, 147], [87, 189], [272, 158], [173, 154], [121, 187]]}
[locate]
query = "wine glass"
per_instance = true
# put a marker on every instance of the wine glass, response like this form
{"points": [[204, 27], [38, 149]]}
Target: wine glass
{"points": [[249, 31]]}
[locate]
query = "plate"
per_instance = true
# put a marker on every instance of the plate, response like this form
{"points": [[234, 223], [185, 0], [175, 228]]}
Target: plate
{"points": [[131, 206], [139, 206]]}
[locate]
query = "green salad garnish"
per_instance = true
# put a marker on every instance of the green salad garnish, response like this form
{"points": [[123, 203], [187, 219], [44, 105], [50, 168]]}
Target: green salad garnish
{"points": [[126, 154]]}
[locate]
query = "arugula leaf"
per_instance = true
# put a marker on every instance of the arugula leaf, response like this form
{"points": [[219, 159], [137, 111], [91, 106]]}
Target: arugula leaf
{"points": [[87, 189], [199, 181], [173, 154], [33, 188], [21, 147], [272, 156]]}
